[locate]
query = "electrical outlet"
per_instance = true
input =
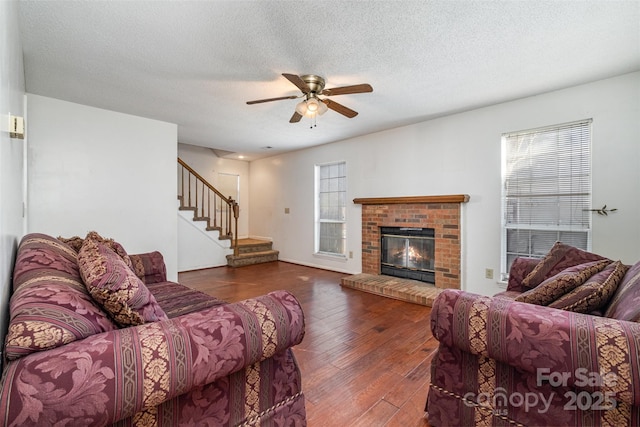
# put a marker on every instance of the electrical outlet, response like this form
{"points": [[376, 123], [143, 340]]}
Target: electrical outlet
{"points": [[286, 210], [488, 273], [350, 254]]}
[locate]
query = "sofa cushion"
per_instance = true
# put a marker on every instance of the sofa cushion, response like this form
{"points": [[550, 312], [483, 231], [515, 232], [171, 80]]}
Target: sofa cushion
{"points": [[563, 282], [178, 300], [625, 303], [595, 293], [560, 257], [50, 305], [115, 287]]}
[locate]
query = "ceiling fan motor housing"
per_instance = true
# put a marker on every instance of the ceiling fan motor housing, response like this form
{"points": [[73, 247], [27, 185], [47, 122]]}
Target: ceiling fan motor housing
{"points": [[315, 83]]}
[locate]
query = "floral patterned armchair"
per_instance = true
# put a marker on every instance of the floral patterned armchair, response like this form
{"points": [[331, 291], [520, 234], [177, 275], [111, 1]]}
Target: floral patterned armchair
{"points": [[505, 362]]}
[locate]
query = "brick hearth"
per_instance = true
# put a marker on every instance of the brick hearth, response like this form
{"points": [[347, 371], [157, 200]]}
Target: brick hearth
{"points": [[442, 213]]}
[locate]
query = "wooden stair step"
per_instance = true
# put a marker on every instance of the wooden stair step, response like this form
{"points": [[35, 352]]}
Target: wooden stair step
{"points": [[252, 258], [258, 253], [254, 248], [246, 246]]}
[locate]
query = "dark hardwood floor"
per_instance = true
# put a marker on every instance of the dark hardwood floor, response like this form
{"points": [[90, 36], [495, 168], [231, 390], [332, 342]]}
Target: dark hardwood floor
{"points": [[364, 359]]}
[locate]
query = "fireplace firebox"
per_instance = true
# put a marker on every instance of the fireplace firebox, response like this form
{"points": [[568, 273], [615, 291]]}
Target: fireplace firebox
{"points": [[408, 253]]}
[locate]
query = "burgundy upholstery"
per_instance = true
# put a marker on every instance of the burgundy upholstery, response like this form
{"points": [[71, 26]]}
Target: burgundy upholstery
{"points": [[149, 267], [565, 281], [211, 363], [560, 257], [595, 293], [177, 300], [115, 287], [625, 304], [520, 268], [50, 305], [495, 351], [503, 362]]}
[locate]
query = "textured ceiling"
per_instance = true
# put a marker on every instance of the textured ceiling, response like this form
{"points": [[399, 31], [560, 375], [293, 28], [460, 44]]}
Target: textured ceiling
{"points": [[197, 63]]}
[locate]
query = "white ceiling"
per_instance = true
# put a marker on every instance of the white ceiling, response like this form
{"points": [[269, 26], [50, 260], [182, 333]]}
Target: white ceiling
{"points": [[197, 63]]}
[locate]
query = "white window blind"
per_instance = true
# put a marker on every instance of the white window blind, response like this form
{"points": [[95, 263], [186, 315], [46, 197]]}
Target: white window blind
{"points": [[546, 190], [331, 203]]}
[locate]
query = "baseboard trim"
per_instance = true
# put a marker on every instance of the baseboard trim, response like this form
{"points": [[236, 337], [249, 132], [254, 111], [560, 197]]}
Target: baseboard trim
{"points": [[321, 267]]}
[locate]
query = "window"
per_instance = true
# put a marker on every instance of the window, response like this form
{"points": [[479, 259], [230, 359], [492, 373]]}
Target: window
{"points": [[546, 190], [331, 207]]}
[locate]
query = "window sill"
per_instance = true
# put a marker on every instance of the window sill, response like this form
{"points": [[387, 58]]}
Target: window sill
{"points": [[330, 257]]}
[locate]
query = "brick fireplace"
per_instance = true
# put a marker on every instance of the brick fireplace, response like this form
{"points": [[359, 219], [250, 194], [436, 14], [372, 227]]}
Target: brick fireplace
{"points": [[442, 213]]}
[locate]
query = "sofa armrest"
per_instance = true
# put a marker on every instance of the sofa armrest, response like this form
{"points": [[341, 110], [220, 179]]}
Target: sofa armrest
{"points": [[114, 375], [149, 267], [578, 350]]}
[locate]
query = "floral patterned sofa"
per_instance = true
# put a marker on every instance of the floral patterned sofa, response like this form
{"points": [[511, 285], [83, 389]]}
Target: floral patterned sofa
{"points": [[561, 347], [99, 337]]}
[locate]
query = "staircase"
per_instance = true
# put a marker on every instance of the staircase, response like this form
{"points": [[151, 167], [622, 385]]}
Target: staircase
{"points": [[208, 226], [217, 216], [252, 251]]}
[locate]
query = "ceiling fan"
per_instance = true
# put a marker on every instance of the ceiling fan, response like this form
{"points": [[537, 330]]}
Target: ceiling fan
{"points": [[312, 86]]}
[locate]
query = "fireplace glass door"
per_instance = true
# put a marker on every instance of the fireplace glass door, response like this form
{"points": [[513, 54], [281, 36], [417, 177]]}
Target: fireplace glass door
{"points": [[408, 252]]}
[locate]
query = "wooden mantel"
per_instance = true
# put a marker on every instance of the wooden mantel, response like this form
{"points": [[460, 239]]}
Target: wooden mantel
{"points": [[451, 198]]}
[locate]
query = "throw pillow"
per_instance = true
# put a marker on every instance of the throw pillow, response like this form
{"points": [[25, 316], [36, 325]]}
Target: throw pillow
{"points": [[520, 268], [625, 304], [49, 306], [563, 282], [560, 257], [74, 242], [113, 245], [113, 285], [595, 292]]}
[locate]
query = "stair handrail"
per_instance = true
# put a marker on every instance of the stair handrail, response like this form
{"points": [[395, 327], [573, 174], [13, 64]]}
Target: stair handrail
{"points": [[232, 205]]}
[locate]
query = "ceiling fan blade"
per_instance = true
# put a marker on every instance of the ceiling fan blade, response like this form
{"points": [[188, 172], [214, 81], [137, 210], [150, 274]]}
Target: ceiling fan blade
{"points": [[258, 101], [361, 88], [339, 108], [296, 80], [295, 118]]}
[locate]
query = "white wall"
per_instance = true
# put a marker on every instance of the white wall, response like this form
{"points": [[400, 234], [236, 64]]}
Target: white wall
{"points": [[460, 154], [206, 163], [11, 152], [93, 169], [197, 248]]}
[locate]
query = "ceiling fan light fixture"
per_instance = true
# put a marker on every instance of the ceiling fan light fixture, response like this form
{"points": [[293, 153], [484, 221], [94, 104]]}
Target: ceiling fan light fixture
{"points": [[322, 108], [313, 105], [301, 108]]}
